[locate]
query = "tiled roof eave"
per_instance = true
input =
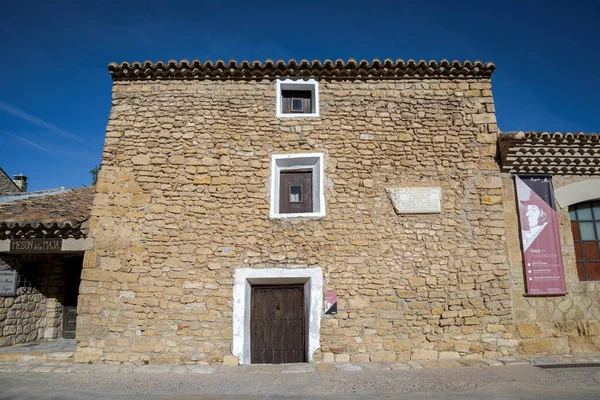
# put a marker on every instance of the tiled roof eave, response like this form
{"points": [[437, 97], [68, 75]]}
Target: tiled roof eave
{"points": [[63, 229], [550, 153], [338, 69]]}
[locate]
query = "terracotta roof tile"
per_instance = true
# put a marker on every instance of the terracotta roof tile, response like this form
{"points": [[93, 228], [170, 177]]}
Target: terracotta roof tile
{"points": [[550, 153], [550, 136], [59, 211], [338, 69]]}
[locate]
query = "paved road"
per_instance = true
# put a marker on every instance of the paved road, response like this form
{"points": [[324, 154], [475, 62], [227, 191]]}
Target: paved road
{"points": [[501, 383]]}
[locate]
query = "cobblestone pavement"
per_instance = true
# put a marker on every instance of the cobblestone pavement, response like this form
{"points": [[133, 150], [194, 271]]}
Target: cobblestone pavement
{"points": [[505, 378]]}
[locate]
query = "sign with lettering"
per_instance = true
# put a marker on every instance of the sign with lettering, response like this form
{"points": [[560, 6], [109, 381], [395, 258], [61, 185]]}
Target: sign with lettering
{"points": [[417, 200], [540, 236], [8, 283], [35, 245]]}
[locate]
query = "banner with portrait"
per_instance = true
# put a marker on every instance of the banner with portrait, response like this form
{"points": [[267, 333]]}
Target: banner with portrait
{"points": [[540, 236]]}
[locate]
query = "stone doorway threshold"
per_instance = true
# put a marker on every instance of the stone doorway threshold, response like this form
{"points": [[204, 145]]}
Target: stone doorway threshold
{"points": [[57, 351]]}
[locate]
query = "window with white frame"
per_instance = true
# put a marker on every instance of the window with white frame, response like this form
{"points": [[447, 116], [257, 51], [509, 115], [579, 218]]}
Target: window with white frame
{"points": [[297, 185], [297, 98]]}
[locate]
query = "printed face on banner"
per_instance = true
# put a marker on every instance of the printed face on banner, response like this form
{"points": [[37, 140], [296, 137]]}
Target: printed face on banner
{"points": [[537, 220]]}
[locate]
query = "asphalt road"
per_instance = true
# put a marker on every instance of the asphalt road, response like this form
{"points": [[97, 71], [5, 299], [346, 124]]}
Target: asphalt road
{"points": [[522, 382]]}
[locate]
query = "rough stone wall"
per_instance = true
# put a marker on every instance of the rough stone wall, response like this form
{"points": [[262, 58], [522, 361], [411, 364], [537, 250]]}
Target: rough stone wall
{"points": [[552, 325], [7, 185], [183, 200], [35, 313]]}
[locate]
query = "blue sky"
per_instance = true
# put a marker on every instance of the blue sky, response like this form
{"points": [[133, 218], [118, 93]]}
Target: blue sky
{"points": [[55, 92]]}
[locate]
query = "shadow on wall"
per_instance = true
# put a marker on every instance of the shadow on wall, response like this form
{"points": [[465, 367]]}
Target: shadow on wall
{"points": [[36, 311]]}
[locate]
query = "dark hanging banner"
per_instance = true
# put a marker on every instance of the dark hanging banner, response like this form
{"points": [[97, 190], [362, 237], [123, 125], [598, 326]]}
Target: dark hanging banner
{"points": [[35, 245], [540, 236]]}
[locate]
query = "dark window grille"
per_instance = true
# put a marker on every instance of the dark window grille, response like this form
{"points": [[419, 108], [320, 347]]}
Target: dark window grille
{"points": [[585, 226]]}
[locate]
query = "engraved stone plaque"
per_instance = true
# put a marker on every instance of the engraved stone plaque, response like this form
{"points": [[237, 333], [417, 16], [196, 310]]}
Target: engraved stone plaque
{"points": [[416, 200]]}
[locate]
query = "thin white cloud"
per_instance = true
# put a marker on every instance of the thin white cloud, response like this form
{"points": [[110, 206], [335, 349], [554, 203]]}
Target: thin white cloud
{"points": [[15, 112], [25, 140]]}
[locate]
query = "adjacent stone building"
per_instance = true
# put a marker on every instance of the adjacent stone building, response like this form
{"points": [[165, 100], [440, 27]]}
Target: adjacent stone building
{"points": [[569, 323], [7, 185], [43, 236]]}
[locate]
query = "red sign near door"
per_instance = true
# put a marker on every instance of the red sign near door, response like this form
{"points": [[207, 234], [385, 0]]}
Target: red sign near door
{"points": [[330, 302], [542, 254]]}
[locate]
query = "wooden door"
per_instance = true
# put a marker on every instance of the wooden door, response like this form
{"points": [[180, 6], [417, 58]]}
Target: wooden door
{"points": [[72, 282], [277, 324], [69, 321], [295, 192]]}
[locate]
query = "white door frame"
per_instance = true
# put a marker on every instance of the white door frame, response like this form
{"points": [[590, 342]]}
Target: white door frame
{"points": [[313, 300]]}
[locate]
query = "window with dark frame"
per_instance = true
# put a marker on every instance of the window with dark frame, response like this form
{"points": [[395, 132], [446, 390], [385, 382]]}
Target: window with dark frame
{"points": [[296, 102], [585, 226]]}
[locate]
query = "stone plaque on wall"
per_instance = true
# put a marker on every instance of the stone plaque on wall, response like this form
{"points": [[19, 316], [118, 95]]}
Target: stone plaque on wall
{"points": [[8, 283], [416, 200]]}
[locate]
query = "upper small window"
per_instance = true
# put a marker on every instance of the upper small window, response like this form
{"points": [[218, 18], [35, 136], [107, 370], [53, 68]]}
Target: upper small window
{"points": [[585, 225], [297, 98], [298, 105]]}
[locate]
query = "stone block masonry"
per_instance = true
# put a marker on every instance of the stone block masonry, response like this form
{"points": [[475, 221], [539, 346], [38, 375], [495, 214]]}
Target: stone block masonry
{"points": [[183, 201], [555, 324], [35, 313]]}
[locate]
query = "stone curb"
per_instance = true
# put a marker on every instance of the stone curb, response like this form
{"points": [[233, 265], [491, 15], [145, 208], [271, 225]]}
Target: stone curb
{"points": [[70, 367]]}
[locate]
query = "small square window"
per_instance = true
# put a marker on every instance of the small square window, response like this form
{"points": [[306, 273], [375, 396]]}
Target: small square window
{"points": [[297, 105], [297, 98], [295, 193]]}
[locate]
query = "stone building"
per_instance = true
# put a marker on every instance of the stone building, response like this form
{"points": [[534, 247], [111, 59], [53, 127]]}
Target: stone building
{"points": [[188, 221], [43, 236], [326, 211], [16, 185], [568, 323]]}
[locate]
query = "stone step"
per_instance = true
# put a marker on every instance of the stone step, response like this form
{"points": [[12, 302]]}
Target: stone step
{"points": [[55, 357]]}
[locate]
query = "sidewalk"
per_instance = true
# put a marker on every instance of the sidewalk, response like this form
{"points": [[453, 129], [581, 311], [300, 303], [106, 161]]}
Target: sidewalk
{"points": [[510, 378], [56, 357]]}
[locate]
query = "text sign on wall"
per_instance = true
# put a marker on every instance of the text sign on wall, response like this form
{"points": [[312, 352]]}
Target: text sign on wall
{"points": [[35, 245], [8, 283], [416, 200], [540, 236], [330, 299]]}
